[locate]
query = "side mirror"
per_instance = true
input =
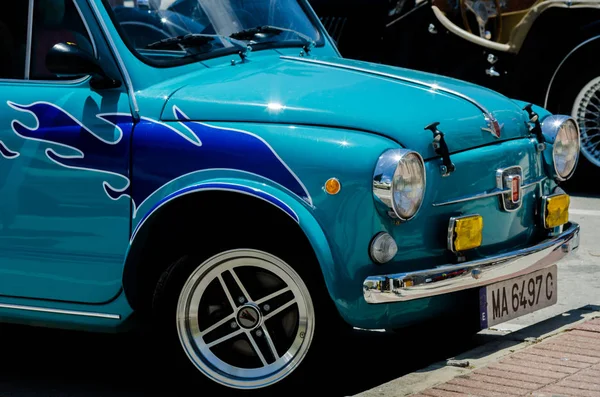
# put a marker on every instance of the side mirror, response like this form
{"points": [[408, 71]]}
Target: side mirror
{"points": [[70, 60]]}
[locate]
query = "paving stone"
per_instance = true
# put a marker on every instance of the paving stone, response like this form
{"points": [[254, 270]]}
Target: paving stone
{"points": [[579, 385], [584, 346], [567, 391], [501, 374], [585, 338], [550, 360], [445, 393], [505, 381], [584, 378], [540, 366], [540, 393], [583, 334], [472, 391], [494, 387], [567, 349], [528, 371], [589, 327], [590, 372], [552, 352]]}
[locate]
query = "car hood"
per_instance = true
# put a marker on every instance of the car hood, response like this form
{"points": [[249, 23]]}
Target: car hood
{"points": [[335, 92]]}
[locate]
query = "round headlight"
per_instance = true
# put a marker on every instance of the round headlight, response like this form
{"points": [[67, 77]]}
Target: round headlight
{"points": [[399, 182], [566, 149], [563, 134]]}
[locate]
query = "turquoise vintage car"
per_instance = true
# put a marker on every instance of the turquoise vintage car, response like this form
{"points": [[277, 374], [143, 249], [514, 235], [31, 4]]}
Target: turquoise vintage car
{"points": [[249, 193]]}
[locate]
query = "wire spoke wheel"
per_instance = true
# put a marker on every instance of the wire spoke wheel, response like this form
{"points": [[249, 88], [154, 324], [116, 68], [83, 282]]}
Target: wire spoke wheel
{"points": [[586, 110], [245, 319]]}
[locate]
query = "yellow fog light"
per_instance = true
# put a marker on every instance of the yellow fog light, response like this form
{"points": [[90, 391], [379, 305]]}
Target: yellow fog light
{"points": [[465, 233], [556, 210]]}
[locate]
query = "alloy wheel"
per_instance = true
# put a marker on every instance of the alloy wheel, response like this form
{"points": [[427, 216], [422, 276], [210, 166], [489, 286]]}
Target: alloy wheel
{"points": [[586, 111], [245, 319]]}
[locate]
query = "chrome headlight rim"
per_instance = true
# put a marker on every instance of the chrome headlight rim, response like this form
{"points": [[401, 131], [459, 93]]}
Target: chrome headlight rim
{"points": [[552, 126], [383, 187]]}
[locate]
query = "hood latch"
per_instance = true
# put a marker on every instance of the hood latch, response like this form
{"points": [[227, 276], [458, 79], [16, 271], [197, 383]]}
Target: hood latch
{"points": [[441, 148], [536, 128]]}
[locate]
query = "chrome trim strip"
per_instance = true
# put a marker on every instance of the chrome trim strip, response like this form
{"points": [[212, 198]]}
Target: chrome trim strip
{"points": [[28, 45], [135, 110], [488, 115], [445, 279], [87, 28], [57, 82], [560, 65], [60, 311], [491, 193]]}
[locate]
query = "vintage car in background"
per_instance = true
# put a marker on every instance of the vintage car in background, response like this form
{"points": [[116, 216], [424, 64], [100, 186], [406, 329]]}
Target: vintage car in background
{"points": [[539, 51], [248, 194]]}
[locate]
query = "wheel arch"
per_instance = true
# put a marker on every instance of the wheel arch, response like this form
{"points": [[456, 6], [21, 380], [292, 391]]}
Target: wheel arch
{"points": [[143, 265], [590, 44]]}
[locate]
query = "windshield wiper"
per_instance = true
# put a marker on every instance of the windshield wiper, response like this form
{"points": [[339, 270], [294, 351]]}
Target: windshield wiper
{"points": [[250, 33], [197, 40]]}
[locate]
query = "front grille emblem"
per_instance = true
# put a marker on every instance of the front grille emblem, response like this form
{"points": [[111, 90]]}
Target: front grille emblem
{"points": [[510, 182]]}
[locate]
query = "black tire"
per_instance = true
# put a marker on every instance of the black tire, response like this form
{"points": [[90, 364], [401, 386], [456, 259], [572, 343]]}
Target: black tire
{"points": [[577, 72], [328, 325]]}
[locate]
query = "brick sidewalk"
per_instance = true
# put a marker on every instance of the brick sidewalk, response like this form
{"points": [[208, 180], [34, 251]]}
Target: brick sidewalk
{"points": [[564, 365]]}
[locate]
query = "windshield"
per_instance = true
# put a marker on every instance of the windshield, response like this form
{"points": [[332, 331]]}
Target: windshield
{"points": [[180, 31]]}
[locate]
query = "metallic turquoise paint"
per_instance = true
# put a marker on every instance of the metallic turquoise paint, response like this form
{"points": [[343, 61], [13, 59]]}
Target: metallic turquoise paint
{"points": [[379, 105], [61, 238], [324, 121]]}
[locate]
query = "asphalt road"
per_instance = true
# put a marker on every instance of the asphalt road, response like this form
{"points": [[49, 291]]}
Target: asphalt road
{"points": [[40, 362]]}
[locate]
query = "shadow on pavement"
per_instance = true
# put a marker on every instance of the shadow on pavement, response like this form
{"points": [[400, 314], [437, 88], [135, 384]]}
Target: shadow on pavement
{"points": [[47, 362]]}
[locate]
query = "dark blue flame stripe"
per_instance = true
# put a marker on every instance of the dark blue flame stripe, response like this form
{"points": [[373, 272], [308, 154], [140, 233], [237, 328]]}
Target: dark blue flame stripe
{"points": [[239, 145], [6, 152], [219, 186], [162, 152]]}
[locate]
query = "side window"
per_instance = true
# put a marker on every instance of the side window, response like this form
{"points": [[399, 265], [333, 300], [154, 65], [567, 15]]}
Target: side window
{"points": [[13, 39], [54, 21]]}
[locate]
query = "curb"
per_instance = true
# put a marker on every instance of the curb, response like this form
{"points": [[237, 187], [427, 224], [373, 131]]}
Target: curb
{"points": [[481, 356]]}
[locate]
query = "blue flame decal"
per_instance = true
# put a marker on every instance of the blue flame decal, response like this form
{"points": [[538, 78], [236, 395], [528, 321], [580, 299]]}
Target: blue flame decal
{"points": [[6, 152], [162, 152], [92, 152]]}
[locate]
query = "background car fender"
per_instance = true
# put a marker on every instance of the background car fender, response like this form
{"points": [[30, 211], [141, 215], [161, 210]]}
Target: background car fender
{"points": [[589, 44]]}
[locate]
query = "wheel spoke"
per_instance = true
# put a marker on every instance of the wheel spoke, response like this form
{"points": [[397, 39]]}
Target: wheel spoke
{"points": [[229, 297], [224, 338], [273, 295], [240, 285], [280, 309], [217, 325], [270, 342], [257, 350], [592, 104]]}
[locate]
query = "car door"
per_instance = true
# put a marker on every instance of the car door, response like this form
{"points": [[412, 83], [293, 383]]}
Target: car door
{"points": [[64, 163]]}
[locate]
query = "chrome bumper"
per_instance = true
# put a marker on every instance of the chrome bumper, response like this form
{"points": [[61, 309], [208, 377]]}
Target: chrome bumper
{"points": [[445, 279]]}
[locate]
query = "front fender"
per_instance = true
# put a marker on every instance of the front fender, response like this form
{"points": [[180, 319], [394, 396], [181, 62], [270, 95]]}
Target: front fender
{"points": [[289, 205], [282, 164]]}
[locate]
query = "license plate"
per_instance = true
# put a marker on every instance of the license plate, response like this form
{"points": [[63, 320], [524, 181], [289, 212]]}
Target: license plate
{"points": [[516, 297]]}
